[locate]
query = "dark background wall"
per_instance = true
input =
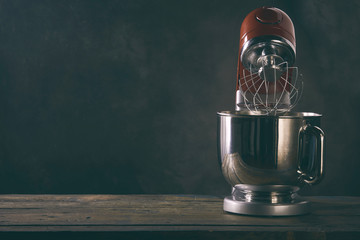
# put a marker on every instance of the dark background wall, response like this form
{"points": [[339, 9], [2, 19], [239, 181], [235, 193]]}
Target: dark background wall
{"points": [[121, 96]]}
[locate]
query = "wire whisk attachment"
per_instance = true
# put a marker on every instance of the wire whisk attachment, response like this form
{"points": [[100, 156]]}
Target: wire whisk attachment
{"points": [[270, 89]]}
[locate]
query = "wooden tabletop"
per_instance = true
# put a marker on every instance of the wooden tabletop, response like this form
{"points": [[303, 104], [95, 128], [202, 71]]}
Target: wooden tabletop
{"points": [[122, 213]]}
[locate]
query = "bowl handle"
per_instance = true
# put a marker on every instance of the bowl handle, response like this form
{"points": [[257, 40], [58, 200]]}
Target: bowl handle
{"points": [[311, 154]]}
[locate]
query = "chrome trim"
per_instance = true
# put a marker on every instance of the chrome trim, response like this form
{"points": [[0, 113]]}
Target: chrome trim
{"points": [[253, 48]]}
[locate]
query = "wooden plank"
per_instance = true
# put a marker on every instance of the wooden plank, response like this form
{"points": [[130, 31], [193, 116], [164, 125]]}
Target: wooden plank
{"points": [[190, 235], [164, 213]]}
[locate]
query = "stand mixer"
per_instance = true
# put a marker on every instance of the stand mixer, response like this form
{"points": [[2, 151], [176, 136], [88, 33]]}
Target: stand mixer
{"points": [[267, 80], [266, 151]]}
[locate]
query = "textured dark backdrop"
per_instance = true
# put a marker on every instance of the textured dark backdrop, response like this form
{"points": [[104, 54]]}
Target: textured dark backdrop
{"points": [[121, 96]]}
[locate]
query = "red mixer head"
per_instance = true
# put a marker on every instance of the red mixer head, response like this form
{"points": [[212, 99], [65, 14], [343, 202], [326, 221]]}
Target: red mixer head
{"points": [[266, 57], [267, 24]]}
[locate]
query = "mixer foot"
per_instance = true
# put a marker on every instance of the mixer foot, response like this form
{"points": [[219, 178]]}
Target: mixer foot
{"points": [[269, 200]]}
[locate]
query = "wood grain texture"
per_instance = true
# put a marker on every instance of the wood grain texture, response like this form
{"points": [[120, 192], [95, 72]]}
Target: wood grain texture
{"points": [[37, 213]]}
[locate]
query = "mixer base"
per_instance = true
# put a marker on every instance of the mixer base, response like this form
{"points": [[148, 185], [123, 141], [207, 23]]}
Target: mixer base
{"points": [[269, 200]]}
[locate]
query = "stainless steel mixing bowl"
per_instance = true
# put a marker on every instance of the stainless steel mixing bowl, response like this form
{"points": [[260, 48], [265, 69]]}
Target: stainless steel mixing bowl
{"points": [[286, 149]]}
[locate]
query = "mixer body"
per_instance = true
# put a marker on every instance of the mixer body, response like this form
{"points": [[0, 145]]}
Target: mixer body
{"points": [[266, 78], [266, 152]]}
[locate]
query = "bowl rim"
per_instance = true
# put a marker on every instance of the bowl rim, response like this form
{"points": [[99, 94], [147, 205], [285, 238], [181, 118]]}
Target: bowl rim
{"points": [[259, 114]]}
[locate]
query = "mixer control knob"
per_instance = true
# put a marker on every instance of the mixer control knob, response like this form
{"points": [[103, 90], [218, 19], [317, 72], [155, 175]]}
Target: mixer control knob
{"points": [[269, 16]]}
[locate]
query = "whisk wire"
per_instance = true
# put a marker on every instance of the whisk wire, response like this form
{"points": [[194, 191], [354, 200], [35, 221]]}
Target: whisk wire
{"points": [[259, 94]]}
